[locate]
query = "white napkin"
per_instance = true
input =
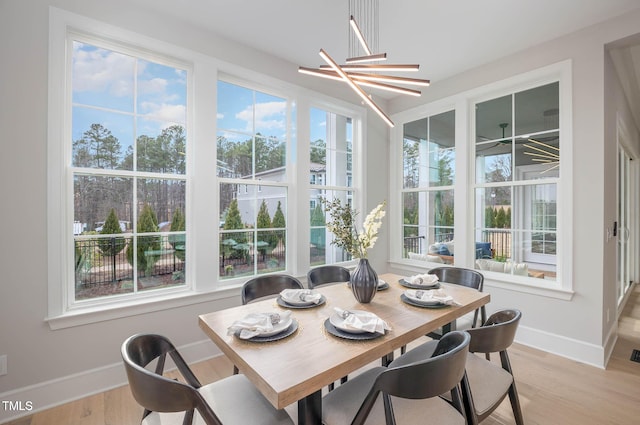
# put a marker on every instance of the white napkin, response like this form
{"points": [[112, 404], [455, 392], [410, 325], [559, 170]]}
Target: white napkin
{"points": [[296, 296], [363, 321], [255, 324], [431, 295], [423, 279]]}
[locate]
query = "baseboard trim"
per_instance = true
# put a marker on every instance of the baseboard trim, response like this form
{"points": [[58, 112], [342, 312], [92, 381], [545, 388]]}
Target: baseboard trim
{"points": [[55, 392], [563, 346]]}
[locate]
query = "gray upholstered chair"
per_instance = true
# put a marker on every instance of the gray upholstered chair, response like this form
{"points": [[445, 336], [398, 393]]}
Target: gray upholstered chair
{"points": [[405, 393], [327, 274], [180, 402], [486, 383]]}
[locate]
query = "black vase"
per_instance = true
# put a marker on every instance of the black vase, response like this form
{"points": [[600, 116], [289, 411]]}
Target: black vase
{"points": [[364, 282]]}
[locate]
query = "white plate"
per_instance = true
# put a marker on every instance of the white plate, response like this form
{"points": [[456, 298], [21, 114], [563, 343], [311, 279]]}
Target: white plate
{"points": [[381, 283], [338, 322], [298, 301], [424, 301], [278, 327]]}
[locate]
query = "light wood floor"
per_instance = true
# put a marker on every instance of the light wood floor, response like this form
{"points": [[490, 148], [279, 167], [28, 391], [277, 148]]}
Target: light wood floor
{"points": [[552, 389]]}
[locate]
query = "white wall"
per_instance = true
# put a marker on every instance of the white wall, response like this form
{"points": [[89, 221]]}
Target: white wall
{"points": [[584, 327], [46, 366]]}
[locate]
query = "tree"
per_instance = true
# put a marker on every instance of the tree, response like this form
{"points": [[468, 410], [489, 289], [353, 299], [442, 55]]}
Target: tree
{"points": [[501, 219], [111, 246], [318, 152], [178, 241], [233, 220], [97, 148], [489, 218], [318, 223], [263, 220], [279, 222], [148, 246]]}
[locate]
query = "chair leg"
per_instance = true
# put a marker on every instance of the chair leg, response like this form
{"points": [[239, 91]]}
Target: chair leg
{"points": [[515, 404]]}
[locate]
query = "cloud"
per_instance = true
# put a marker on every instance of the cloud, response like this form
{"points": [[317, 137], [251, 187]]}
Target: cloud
{"points": [[164, 111], [268, 116], [100, 70]]}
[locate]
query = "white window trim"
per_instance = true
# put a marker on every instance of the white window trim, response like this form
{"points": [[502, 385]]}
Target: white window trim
{"points": [[206, 71], [463, 102]]}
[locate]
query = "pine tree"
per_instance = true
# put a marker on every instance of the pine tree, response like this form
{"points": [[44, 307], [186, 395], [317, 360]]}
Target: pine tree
{"points": [[318, 223], [147, 245], [110, 247], [178, 241], [501, 219], [263, 220]]}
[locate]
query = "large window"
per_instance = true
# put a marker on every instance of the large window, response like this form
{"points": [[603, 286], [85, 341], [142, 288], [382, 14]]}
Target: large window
{"points": [[331, 177], [428, 158], [162, 195], [127, 170], [505, 166], [251, 166], [517, 164]]}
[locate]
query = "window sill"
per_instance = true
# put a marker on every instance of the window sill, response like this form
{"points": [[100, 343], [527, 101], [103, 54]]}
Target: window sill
{"points": [[527, 285], [132, 307]]}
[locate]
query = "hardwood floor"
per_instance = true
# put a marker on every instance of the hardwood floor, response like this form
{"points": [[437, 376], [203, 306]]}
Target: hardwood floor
{"points": [[553, 390]]}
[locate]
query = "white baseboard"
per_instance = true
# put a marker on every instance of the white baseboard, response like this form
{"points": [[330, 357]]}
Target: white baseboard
{"points": [[58, 391], [573, 349]]}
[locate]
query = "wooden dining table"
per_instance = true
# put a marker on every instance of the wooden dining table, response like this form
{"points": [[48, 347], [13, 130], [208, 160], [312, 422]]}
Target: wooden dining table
{"points": [[297, 368]]}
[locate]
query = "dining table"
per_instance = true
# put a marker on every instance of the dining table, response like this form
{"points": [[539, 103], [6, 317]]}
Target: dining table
{"points": [[296, 368]]}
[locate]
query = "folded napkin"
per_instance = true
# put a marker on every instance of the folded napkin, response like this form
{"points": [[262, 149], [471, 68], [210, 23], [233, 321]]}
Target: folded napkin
{"points": [[296, 296], [431, 295], [255, 324], [423, 279], [362, 321]]}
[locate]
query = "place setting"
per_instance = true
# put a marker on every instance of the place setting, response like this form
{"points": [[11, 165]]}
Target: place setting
{"points": [[420, 281], [300, 298], [431, 298], [355, 324], [264, 327], [382, 284]]}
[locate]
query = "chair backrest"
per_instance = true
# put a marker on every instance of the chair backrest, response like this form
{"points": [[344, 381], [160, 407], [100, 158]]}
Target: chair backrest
{"points": [[459, 276], [431, 377], [263, 286], [155, 392], [497, 333], [327, 274]]}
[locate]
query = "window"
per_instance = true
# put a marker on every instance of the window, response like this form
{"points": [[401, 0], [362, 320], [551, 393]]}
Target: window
{"points": [[330, 158], [251, 152], [517, 151], [428, 157], [128, 171], [125, 191], [504, 171]]}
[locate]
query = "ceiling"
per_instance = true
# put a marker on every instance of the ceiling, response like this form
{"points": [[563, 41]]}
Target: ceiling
{"points": [[445, 37]]}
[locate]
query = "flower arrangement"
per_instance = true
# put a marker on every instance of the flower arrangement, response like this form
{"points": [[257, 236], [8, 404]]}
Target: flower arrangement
{"points": [[343, 226]]}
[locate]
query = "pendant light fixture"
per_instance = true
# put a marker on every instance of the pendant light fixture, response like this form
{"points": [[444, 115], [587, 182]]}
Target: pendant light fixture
{"points": [[362, 67]]}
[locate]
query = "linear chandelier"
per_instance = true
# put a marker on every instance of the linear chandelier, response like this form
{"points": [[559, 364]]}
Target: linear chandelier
{"points": [[359, 70], [544, 153]]}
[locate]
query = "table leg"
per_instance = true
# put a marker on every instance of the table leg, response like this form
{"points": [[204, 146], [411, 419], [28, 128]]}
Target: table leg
{"points": [[310, 409]]}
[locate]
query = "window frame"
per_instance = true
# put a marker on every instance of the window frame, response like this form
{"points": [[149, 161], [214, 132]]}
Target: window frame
{"points": [[464, 186]]}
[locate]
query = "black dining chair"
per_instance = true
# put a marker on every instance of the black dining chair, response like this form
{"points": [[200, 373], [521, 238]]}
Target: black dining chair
{"points": [[265, 286], [405, 393], [230, 401], [327, 274], [268, 285], [464, 277]]}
